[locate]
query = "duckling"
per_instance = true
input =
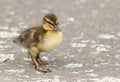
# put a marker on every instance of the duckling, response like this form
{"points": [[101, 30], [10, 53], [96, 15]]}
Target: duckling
{"points": [[43, 38]]}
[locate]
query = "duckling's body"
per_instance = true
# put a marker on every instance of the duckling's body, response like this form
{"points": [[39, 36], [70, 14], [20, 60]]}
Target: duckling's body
{"points": [[41, 39], [51, 41]]}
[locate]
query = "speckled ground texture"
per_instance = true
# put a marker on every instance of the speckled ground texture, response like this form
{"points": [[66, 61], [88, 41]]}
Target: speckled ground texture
{"points": [[90, 51]]}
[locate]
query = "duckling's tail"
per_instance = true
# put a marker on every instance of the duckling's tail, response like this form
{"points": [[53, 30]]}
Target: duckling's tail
{"points": [[16, 40], [19, 42]]}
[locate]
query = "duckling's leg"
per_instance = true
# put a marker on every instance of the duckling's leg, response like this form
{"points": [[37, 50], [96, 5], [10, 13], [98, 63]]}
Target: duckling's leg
{"points": [[41, 62], [38, 67], [33, 52]]}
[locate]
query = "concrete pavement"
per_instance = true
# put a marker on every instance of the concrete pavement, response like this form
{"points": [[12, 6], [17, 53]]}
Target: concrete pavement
{"points": [[90, 51]]}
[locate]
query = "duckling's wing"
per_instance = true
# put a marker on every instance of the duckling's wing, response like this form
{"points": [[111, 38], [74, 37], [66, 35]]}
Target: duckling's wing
{"points": [[28, 37]]}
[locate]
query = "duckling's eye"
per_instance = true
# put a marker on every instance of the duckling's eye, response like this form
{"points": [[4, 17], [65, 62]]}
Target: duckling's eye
{"points": [[48, 23]]}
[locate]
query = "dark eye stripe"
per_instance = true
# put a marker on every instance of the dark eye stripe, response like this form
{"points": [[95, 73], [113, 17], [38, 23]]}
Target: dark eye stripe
{"points": [[49, 22]]}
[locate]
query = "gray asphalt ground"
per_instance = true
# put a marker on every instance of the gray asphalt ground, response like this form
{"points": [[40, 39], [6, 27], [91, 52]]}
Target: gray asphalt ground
{"points": [[90, 51]]}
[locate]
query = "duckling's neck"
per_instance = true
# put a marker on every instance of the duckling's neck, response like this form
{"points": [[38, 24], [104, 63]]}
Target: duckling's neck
{"points": [[41, 29]]}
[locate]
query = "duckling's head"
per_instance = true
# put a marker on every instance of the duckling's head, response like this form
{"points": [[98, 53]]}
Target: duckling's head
{"points": [[50, 22]]}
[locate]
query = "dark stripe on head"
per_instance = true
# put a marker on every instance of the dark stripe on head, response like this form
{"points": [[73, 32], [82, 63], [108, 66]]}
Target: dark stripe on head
{"points": [[49, 22]]}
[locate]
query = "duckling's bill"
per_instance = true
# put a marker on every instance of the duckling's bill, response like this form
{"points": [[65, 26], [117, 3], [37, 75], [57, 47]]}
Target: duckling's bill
{"points": [[56, 28]]}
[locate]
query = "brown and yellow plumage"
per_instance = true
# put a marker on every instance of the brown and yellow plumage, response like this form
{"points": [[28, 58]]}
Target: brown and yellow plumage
{"points": [[41, 39], [30, 36]]}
